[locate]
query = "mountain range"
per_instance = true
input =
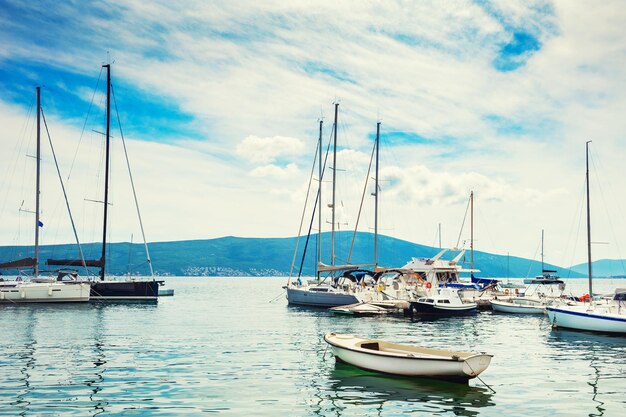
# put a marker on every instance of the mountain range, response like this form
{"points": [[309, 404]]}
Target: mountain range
{"points": [[236, 256]]}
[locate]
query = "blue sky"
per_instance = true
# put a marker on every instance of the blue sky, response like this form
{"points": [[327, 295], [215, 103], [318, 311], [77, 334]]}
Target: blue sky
{"points": [[220, 102]]}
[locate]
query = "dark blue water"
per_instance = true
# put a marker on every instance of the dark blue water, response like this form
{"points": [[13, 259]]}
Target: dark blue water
{"points": [[219, 346]]}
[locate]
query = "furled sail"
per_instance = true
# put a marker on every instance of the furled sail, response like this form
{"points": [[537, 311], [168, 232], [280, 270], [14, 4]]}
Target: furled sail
{"points": [[75, 262], [20, 263]]}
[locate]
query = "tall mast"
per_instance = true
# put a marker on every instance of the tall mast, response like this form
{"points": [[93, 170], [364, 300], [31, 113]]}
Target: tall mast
{"points": [[332, 235], [439, 235], [106, 172], [376, 197], [542, 251], [588, 222], [472, 228], [319, 197], [38, 182]]}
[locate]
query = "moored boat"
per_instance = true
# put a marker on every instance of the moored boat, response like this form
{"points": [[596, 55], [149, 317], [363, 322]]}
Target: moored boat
{"points": [[107, 288], [370, 308], [21, 291], [442, 302], [605, 317], [519, 305], [40, 292], [405, 360]]}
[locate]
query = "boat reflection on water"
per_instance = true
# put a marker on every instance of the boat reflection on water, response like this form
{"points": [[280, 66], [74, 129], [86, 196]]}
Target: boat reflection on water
{"points": [[605, 361], [380, 392]]}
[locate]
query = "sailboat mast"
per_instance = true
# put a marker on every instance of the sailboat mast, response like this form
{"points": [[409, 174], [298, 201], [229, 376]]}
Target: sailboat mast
{"points": [[472, 228], [542, 251], [38, 182], [376, 197], [106, 172], [588, 222], [319, 197], [439, 235], [332, 234]]}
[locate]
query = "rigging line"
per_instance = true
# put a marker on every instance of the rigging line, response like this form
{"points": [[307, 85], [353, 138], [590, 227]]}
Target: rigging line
{"points": [[69, 211], [577, 215], [85, 124], [599, 185], [308, 235], [463, 224], [17, 150], [306, 200], [486, 230], [358, 217], [530, 264], [132, 183], [313, 214]]}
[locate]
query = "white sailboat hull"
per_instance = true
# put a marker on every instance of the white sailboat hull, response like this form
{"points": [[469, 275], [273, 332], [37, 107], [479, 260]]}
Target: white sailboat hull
{"points": [[407, 360], [310, 297], [516, 308], [33, 292], [583, 318]]}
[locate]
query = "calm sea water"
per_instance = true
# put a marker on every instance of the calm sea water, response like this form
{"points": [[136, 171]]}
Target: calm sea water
{"points": [[219, 346]]}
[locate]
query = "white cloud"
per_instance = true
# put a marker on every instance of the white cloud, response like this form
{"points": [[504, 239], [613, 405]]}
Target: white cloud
{"points": [[262, 71], [274, 171], [265, 150]]}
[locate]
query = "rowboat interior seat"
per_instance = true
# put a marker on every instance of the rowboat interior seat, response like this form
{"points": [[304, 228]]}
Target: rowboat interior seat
{"points": [[370, 346]]}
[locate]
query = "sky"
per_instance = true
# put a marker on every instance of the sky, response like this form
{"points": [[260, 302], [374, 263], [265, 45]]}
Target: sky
{"points": [[220, 104]]}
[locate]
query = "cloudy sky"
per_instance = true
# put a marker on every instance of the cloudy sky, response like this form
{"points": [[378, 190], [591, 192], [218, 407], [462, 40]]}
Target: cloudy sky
{"points": [[220, 103]]}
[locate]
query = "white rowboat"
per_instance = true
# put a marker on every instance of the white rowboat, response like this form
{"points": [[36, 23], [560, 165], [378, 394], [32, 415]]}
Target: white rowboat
{"points": [[396, 359]]}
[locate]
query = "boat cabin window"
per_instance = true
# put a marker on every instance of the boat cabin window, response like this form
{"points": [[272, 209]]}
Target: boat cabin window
{"points": [[443, 301], [319, 289], [429, 300]]}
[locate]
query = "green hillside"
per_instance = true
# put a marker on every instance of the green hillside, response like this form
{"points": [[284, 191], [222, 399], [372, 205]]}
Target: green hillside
{"points": [[234, 256]]}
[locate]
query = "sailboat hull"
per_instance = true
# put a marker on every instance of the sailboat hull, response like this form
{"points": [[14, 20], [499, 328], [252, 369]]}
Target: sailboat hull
{"points": [[31, 292], [314, 298], [125, 290], [582, 319]]}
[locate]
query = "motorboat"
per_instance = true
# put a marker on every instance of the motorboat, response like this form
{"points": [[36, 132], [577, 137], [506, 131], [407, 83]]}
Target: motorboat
{"points": [[406, 360], [443, 302]]}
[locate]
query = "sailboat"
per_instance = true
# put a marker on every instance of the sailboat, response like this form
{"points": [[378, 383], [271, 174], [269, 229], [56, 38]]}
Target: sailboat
{"points": [[346, 281], [608, 316], [548, 276], [30, 291], [108, 289]]}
